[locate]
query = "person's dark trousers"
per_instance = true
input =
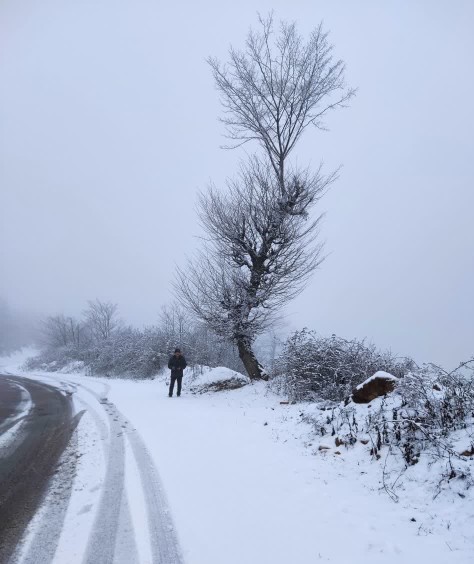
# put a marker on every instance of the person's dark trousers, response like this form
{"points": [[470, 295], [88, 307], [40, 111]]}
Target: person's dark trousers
{"points": [[175, 378]]}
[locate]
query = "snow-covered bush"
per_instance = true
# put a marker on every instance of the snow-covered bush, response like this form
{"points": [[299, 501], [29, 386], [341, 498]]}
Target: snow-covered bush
{"points": [[432, 405], [430, 415], [128, 352], [131, 352], [143, 353], [311, 367], [52, 359]]}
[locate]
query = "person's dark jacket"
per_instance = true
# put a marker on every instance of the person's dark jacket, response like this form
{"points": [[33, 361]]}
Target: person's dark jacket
{"points": [[177, 364]]}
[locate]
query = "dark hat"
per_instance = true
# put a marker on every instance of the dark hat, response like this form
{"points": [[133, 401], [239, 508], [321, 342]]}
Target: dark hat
{"points": [[177, 350]]}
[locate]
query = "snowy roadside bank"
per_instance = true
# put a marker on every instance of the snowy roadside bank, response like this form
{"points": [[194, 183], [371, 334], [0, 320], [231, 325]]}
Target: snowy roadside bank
{"points": [[245, 482]]}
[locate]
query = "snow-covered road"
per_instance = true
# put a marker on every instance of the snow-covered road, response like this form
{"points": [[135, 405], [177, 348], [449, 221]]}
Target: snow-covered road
{"points": [[36, 425], [245, 483], [117, 512]]}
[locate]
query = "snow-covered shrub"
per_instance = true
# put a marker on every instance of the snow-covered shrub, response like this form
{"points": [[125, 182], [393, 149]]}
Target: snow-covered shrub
{"points": [[430, 415], [52, 359], [427, 406], [433, 404], [441, 401], [313, 367], [131, 352]]}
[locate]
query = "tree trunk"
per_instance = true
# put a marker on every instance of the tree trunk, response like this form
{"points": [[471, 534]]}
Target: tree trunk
{"points": [[254, 369]]}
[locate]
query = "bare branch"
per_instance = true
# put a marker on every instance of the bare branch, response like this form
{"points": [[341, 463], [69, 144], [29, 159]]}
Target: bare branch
{"points": [[278, 86]]}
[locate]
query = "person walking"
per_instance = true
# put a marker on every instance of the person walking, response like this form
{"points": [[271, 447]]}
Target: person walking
{"points": [[176, 363]]}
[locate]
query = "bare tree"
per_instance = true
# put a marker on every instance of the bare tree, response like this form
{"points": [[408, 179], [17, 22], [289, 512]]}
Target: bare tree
{"points": [[76, 331], [277, 87], [175, 326], [261, 245], [258, 256], [101, 319], [61, 331]]}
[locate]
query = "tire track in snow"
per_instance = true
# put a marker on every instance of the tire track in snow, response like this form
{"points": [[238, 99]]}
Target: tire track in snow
{"points": [[120, 539], [163, 538], [112, 539], [126, 551], [43, 545], [11, 416], [101, 545], [162, 535]]}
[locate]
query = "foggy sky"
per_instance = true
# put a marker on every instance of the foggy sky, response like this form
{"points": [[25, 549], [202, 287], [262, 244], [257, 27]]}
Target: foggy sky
{"points": [[108, 128]]}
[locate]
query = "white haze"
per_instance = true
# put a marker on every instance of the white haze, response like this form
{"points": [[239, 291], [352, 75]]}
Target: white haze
{"points": [[108, 128]]}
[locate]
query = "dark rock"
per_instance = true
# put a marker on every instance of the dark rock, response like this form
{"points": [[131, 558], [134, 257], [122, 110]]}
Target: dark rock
{"points": [[380, 384]]}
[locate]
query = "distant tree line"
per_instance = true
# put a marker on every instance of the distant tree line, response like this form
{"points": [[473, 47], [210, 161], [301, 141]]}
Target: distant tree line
{"points": [[103, 344]]}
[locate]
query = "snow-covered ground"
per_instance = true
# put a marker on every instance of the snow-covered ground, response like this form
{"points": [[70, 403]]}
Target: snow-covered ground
{"points": [[244, 482]]}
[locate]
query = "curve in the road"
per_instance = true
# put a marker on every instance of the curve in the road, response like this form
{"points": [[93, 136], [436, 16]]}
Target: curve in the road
{"points": [[111, 540], [15, 403], [42, 547], [30, 460]]}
